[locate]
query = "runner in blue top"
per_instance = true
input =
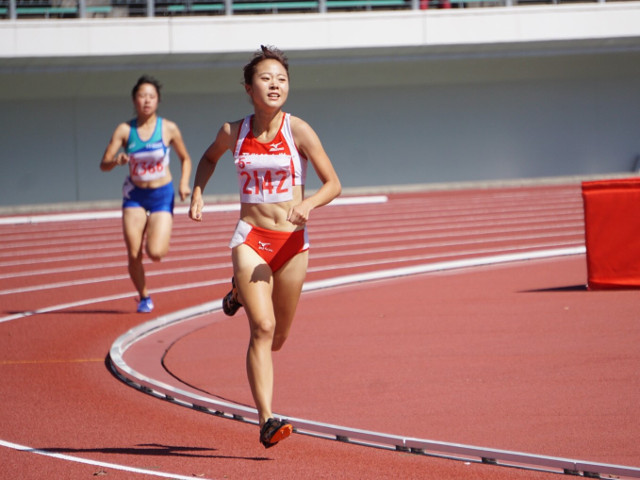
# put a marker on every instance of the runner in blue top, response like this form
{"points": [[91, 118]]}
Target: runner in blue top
{"points": [[148, 194]]}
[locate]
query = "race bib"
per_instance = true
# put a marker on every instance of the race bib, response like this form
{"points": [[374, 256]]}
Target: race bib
{"points": [[145, 168], [264, 178]]}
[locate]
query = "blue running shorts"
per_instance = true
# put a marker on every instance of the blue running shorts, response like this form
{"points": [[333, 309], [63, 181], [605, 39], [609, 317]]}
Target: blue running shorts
{"points": [[159, 199]]}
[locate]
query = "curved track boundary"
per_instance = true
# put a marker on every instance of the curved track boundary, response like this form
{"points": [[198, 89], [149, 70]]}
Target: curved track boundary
{"points": [[238, 412]]}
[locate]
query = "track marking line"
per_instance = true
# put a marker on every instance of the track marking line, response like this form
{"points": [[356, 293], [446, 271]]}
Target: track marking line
{"points": [[332, 254], [48, 362], [115, 466], [89, 301], [227, 207], [119, 296]]}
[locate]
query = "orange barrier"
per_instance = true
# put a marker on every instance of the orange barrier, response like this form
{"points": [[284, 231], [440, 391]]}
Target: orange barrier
{"points": [[612, 233]]}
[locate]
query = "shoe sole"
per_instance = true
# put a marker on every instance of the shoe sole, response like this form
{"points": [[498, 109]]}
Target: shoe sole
{"points": [[280, 434]]}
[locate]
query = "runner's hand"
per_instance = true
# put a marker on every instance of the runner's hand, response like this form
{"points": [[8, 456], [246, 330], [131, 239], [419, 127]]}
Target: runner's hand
{"points": [[299, 214], [121, 159], [195, 211], [184, 191]]}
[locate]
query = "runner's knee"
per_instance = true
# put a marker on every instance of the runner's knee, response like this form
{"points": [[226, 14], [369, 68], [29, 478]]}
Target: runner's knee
{"points": [[135, 257], [263, 329], [156, 253], [278, 342]]}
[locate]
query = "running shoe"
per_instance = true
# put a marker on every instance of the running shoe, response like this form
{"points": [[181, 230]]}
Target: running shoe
{"points": [[145, 305], [273, 431], [230, 303]]}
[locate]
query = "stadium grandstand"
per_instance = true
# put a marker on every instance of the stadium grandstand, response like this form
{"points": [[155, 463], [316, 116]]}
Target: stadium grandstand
{"points": [[13, 9]]}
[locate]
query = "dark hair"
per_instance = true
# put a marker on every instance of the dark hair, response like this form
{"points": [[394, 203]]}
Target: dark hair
{"points": [[265, 53], [146, 79]]}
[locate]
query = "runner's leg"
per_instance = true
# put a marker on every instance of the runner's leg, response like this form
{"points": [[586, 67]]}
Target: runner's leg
{"points": [[287, 287], [159, 227], [134, 221], [254, 281]]}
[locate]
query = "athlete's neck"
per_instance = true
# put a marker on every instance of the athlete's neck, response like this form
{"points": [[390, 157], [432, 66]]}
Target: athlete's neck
{"points": [[266, 124], [146, 120]]}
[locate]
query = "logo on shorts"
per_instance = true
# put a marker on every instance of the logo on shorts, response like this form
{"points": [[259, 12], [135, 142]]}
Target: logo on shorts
{"points": [[264, 246]]}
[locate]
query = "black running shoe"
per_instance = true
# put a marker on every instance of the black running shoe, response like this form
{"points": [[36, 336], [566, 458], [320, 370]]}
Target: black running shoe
{"points": [[230, 303], [273, 431]]}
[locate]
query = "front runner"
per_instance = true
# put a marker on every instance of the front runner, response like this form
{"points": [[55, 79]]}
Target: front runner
{"points": [[269, 248]]}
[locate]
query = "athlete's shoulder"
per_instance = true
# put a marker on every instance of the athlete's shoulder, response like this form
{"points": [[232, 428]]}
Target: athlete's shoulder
{"points": [[170, 130], [300, 128], [123, 129], [232, 128], [227, 134], [297, 122], [167, 124], [237, 123]]}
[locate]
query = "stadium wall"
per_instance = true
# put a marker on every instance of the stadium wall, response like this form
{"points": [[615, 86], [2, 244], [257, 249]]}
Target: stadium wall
{"points": [[397, 97]]}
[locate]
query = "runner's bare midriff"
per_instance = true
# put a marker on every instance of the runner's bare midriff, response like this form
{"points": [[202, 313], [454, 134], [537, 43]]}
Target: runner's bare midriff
{"points": [[272, 216], [156, 183]]}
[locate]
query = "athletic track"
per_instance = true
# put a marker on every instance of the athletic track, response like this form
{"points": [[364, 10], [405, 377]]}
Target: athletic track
{"points": [[442, 335]]}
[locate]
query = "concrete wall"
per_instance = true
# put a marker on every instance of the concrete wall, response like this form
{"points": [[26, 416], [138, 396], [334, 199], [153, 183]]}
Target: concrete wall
{"points": [[386, 116]]}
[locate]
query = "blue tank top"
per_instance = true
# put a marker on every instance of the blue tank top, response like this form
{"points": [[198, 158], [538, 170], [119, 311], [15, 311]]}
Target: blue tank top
{"points": [[148, 160]]}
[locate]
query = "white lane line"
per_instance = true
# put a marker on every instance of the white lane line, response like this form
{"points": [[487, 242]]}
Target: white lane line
{"points": [[98, 215], [182, 239], [333, 254], [116, 251], [113, 278], [318, 236], [353, 234], [442, 266], [442, 256], [412, 222], [109, 298], [207, 255], [184, 235], [96, 463], [420, 239], [114, 247], [415, 233], [188, 230], [230, 207]]}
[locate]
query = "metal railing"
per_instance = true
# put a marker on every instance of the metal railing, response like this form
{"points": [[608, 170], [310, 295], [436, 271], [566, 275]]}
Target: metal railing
{"points": [[14, 9]]}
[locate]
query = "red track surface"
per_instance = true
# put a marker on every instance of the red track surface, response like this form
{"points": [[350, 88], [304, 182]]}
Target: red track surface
{"points": [[517, 356]]}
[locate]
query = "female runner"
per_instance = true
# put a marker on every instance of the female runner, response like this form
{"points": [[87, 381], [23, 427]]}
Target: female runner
{"points": [[269, 248], [148, 195]]}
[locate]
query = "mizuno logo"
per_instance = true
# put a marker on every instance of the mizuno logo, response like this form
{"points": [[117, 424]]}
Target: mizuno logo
{"points": [[264, 246], [276, 147]]}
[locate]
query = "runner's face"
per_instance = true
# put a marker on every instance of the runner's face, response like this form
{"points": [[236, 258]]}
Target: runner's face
{"points": [[146, 99], [270, 85]]}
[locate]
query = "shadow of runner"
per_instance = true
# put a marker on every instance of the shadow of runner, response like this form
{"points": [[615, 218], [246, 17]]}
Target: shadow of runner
{"points": [[568, 288], [153, 449]]}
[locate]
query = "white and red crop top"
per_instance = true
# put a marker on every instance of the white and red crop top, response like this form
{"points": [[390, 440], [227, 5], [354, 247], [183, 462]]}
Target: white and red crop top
{"points": [[267, 172]]}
